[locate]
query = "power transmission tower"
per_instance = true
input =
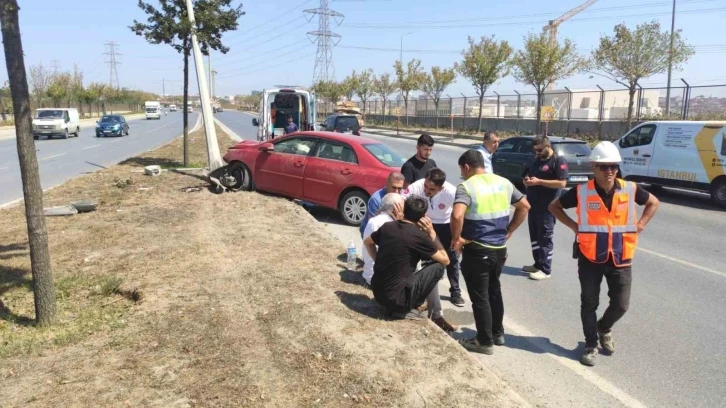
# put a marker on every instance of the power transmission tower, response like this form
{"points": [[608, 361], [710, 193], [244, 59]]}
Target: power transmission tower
{"points": [[112, 62], [326, 39], [55, 66]]}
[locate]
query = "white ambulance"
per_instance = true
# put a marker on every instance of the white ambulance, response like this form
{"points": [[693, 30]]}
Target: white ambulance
{"points": [[277, 104], [682, 154]]}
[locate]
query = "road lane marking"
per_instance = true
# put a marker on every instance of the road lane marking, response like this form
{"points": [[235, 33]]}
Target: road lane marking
{"points": [[3, 168], [90, 147], [116, 141], [53, 157], [684, 263]]}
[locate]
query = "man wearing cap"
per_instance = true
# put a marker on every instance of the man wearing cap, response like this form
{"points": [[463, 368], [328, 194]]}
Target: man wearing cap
{"points": [[607, 232]]}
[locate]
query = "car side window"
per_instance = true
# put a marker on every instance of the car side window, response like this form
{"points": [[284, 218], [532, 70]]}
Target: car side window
{"points": [[336, 151], [506, 146], [524, 147], [641, 136], [297, 145], [65, 116], [330, 122]]}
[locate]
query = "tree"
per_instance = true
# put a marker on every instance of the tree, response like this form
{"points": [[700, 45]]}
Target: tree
{"points": [[58, 88], [330, 90], [542, 63], [39, 79], [409, 80], [485, 62], [350, 84], [43, 289], [96, 91], [170, 23], [6, 102], [384, 87], [629, 56], [75, 89], [435, 83], [364, 88]]}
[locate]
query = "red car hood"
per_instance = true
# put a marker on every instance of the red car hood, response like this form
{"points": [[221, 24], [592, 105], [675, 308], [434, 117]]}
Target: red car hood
{"points": [[245, 144]]}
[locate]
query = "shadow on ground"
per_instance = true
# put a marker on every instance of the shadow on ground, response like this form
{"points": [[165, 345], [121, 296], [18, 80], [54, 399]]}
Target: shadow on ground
{"points": [[11, 278], [532, 344], [362, 304], [164, 163]]}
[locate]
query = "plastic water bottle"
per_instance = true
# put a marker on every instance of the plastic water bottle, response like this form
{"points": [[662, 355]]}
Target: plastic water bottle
{"points": [[352, 256]]}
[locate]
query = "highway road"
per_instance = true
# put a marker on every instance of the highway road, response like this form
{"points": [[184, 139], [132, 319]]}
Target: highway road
{"points": [[668, 344], [63, 159]]}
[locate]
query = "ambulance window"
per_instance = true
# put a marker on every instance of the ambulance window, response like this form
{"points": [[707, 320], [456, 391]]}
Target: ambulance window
{"points": [[723, 143], [641, 136]]}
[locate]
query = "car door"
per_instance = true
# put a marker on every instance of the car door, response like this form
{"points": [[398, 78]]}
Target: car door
{"points": [[522, 158], [501, 159], [281, 170], [636, 149], [332, 167]]}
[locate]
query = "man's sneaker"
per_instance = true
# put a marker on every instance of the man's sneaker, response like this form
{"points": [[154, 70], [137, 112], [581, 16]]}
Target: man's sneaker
{"points": [[529, 269], [606, 342], [499, 340], [424, 306], [588, 357], [539, 275], [412, 314], [457, 300], [474, 346], [366, 286], [445, 326]]}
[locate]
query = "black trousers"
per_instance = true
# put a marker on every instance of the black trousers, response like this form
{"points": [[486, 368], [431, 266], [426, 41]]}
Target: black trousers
{"points": [[541, 231], [443, 231], [423, 282], [619, 282], [481, 268]]}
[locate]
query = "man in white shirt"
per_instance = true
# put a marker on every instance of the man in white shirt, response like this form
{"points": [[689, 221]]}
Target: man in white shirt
{"points": [[391, 209], [440, 195], [489, 145]]}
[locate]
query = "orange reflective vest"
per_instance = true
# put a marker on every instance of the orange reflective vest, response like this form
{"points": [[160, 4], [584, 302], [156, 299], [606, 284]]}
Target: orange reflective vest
{"points": [[604, 233]]}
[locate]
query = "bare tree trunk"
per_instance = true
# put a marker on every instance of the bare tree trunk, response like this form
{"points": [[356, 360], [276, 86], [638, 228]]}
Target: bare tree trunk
{"points": [[481, 101], [631, 102], [43, 289], [539, 110], [405, 106], [436, 106], [186, 98]]}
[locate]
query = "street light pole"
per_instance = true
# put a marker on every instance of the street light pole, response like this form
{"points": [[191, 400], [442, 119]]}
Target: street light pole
{"points": [[398, 107], [670, 60]]}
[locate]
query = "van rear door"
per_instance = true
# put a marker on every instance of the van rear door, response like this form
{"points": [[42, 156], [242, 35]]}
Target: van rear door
{"points": [[312, 112]]}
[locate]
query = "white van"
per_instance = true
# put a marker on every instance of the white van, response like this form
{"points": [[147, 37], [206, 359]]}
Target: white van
{"points": [[172, 108], [682, 154], [284, 102], [153, 110], [51, 122]]}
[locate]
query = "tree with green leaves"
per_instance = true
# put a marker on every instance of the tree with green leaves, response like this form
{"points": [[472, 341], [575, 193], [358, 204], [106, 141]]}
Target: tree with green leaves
{"points": [[43, 289], [169, 24], [485, 62], [543, 62], [631, 55], [364, 88], [96, 93], [383, 86], [408, 80], [435, 83], [350, 84], [330, 90], [58, 88], [75, 89]]}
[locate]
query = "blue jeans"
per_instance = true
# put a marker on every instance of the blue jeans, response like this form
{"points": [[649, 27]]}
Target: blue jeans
{"points": [[443, 231]]}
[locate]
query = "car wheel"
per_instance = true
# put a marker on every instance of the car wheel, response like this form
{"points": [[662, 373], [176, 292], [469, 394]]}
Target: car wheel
{"points": [[98, 134], [78, 131], [353, 207], [65, 134], [718, 192]]}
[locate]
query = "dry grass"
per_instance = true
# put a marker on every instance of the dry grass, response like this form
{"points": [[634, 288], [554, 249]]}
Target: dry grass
{"points": [[244, 304]]}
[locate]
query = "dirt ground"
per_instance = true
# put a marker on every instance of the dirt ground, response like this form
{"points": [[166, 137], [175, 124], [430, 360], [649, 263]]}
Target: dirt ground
{"points": [[171, 296]]}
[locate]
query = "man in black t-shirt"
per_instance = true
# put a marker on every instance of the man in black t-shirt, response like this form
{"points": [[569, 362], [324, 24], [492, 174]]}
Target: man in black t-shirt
{"points": [[397, 248], [544, 179], [419, 164]]}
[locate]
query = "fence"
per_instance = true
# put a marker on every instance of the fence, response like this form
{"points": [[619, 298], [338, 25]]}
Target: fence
{"points": [[594, 111]]}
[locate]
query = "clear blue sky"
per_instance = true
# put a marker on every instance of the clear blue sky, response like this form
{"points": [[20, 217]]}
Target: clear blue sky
{"points": [[271, 46]]}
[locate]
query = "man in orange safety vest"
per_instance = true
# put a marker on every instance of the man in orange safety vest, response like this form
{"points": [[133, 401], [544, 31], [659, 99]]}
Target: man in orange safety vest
{"points": [[607, 234]]}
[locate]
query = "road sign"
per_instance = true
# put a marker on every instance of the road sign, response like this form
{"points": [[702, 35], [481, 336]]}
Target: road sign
{"points": [[547, 114]]}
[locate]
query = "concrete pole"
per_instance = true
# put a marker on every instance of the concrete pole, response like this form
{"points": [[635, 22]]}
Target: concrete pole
{"points": [[670, 59]]}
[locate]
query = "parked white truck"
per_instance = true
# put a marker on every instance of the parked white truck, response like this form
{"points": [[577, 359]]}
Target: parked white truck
{"points": [[153, 109]]}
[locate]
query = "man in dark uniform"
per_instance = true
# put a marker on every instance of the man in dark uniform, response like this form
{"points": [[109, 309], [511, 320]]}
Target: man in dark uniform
{"points": [[546, 176], [419, 165]]}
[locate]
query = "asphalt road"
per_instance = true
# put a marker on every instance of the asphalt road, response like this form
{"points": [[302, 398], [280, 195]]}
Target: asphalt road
{"points": [[63, 159], [668, 344]]}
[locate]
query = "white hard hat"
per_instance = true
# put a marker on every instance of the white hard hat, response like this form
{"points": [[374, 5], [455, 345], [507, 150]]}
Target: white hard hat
{"points": [[605, 152]]}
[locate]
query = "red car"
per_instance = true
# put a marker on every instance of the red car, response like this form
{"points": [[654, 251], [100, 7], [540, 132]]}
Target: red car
{"points": [[329, 169]]}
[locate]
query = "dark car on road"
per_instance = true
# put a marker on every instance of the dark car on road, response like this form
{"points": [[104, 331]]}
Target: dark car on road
{"points": [[515, 155], [342, 124], [112, 125]]}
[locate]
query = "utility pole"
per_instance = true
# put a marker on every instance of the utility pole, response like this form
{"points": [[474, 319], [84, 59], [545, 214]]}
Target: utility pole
{"points": [[211, 87], [55, 66], [163, 87], [113, 63], [326, 39], [670, 60]]}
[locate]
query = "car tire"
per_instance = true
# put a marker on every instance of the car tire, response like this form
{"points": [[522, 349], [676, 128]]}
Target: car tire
{"points": [[65, 134], [98, 134], [353, 207], [36, 137], [78, 131], [718, 192]]}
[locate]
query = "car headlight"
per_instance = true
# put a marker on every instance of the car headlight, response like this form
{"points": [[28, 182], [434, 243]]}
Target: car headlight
{"points": [[116, 126]]}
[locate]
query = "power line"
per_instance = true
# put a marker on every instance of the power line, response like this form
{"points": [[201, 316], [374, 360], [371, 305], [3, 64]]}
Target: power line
{"points": [[279, 16], [324, 69], [112, 62]]}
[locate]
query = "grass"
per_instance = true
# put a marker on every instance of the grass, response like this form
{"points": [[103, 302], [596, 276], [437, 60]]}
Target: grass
{"points": [[176, 298]]}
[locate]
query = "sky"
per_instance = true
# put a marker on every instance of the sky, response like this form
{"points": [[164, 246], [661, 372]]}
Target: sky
{"points": [[272, 47]]}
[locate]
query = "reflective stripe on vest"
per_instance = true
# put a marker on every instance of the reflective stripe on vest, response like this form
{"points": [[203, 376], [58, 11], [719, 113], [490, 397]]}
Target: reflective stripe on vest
{"points": [[487, 217], [603, 233]]}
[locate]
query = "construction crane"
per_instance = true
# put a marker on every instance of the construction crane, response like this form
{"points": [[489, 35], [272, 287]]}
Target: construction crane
{"points": [[553, 24]]}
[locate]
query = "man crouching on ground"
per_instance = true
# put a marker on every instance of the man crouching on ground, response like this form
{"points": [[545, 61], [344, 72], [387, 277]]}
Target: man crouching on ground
{"points": [[397, 248]]}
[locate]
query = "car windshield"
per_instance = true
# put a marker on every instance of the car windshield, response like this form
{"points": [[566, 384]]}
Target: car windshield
{"points": [[110, 119], [49, 114], [346, 122], [385, 154], [572, 149], [150, 110]]}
